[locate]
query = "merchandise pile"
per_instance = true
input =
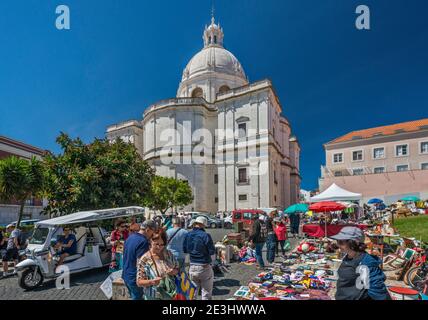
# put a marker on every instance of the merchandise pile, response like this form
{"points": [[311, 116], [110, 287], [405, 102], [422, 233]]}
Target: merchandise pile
{"points": [[247, 255], [305, 274], [284, 283]]}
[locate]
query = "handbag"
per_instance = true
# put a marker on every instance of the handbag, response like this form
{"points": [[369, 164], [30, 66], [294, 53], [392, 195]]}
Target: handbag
{"points": [[167, 288]]}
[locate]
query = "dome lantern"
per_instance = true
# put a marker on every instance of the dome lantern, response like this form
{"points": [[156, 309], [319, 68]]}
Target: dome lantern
{"points": [[213, 34]]}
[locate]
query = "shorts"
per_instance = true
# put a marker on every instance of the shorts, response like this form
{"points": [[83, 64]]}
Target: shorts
{"points": [[10, 255]]}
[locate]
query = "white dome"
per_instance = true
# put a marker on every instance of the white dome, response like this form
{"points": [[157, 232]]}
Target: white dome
{"points": [[214, 59]]}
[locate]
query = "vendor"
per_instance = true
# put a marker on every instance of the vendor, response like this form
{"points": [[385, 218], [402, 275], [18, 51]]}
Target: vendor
{"points": [[350, 284]]}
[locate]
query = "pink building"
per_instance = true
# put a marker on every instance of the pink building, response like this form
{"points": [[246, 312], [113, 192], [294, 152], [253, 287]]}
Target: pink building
{"points": [[386, 162]]}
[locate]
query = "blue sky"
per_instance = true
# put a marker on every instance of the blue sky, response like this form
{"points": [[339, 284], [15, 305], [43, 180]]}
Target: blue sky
{"points": [[121, 56]]}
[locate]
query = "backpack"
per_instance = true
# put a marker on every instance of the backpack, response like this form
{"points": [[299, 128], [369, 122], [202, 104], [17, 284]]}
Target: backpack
{"points": [[21, 239], [263, 231]]}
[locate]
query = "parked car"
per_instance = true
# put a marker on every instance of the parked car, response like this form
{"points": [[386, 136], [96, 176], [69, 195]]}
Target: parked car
{"points": [[228, 222], [246, 216], [212, 221]]}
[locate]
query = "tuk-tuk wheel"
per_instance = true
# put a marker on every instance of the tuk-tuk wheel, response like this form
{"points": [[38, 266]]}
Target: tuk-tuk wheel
{"points": [[28, 281]]}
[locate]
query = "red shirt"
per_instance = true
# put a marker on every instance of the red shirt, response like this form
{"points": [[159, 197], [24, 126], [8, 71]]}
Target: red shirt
{"points": [[281, 231], [116, 235]]}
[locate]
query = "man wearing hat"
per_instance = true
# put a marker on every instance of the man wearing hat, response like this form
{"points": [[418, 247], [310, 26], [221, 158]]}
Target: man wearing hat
{"points": [[12, 248], [360, 275], [199, 245], [137, 244]]}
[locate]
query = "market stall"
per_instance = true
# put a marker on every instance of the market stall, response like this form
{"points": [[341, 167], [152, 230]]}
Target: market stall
{"points": [[318, 231]]}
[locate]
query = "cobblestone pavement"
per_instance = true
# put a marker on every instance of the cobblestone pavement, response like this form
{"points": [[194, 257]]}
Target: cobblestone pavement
{"points": [[86, 286]]}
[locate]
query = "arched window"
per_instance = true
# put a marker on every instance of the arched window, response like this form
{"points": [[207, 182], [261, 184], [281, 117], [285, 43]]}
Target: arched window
{"points": [[223, 89], [197, 93]]}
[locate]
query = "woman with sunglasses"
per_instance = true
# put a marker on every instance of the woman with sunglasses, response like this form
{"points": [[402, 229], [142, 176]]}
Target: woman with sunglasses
{"points": [[117, 240], [359, 276], [156, 270]]}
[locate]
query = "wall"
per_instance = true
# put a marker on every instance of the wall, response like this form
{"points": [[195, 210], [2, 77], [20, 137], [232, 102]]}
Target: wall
{"points": [[9, 213], [389, 186]]}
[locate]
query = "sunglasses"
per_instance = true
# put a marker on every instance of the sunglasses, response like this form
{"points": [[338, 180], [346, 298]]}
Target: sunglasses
{"points": [[158, 244]]}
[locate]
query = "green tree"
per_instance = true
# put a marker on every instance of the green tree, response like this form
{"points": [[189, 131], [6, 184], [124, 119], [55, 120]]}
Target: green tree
{"points": [[19, 180], [167, 193], [98, 175]]}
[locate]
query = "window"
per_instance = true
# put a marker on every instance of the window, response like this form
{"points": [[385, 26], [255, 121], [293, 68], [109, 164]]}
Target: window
{"points": [[338, 158], [401, 150], [424, 166], [242, 174], [242, 130], [216, 199], [357, 155], [197, 93], [402, 168], [242, 197], [378, 170], [215, 39], [223, 89], [378, 153], [338, 173], [216, 179], [248, 216], [237, 216], [424, 147], [357, 172]]}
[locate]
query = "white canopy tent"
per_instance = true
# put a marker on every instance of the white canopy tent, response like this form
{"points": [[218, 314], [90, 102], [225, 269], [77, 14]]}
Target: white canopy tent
{"points": [[89, 216], [336, 193]]}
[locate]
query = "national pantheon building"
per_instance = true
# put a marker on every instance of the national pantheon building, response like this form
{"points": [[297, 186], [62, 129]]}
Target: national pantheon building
{"points": [[226, 136]]}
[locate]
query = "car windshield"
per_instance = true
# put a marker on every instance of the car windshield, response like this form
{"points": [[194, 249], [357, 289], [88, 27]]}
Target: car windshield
{"points": [[39, 236]]}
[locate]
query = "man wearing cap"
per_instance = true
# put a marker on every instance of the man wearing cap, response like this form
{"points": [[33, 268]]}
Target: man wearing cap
{"points": [[135, 247], [12, 248], [199, 245], [360, 275]]}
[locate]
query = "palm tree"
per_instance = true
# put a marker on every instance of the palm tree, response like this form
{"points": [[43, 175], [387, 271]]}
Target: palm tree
{"points": [[19, 180]]}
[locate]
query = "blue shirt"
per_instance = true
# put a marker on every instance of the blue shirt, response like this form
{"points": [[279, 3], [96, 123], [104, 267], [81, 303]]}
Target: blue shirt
{"points": [[199, 245], [176, 244], [65, 240], [135, 247]]}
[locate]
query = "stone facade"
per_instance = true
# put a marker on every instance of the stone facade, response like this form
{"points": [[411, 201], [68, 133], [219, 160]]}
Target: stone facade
{"points": [[225, 136]]}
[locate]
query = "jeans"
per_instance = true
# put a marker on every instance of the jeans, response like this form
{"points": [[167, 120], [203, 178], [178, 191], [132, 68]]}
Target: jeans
{"points": [[259, 257], [280, 244], [203, 277], [135, 291], [270, 245]]}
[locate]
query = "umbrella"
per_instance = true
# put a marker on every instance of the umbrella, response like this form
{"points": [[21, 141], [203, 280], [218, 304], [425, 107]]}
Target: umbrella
{"points": [[375, 201], [295, 208], [410, 199], [326, 206]]}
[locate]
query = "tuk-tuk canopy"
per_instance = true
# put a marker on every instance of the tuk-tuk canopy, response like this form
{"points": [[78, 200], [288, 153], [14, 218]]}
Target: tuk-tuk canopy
{"points": [[90, 216]]}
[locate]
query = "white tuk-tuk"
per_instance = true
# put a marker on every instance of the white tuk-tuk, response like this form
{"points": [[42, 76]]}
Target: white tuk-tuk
{"points": [[93, 249]]}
